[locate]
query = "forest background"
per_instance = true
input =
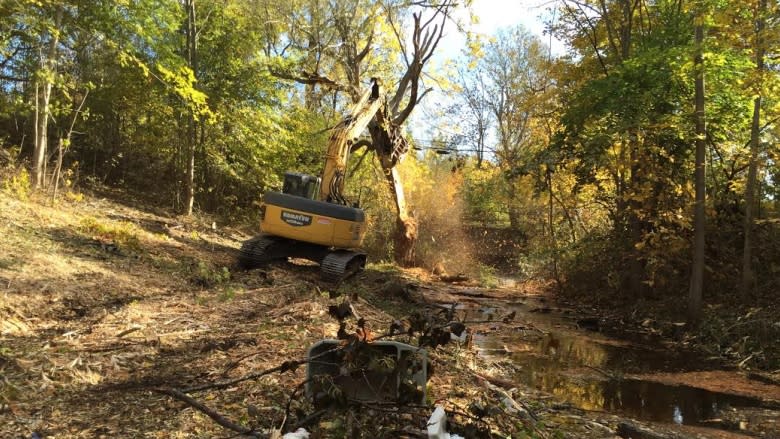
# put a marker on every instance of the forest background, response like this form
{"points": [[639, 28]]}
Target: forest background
{"points": [[638, 167]]}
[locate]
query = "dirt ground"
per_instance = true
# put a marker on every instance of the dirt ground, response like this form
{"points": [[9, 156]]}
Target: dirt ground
{"points": [[102, 304]]}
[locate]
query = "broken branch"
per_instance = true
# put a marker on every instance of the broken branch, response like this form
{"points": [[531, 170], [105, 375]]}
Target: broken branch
{"points": [[287, 365], [219, 419], [310, 79]]}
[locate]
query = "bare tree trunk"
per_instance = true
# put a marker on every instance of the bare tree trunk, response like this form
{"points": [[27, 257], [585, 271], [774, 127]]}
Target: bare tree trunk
{"points": [[747, 266], [36, 126], [406, 226], [512, 209], [748, 277], [42, 105], [389, 145], [58, 167], [551, 220], [189, 191], [192, 60], [636, 234], [43, 95], [480, 144], [699, 220], [63, 145]]}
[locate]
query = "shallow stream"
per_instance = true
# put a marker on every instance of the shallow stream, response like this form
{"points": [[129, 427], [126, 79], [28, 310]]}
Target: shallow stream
{"points": [[553, 350]]}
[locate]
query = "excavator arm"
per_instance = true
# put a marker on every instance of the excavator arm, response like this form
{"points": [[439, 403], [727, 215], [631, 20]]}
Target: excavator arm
{"points": [[346, 135], [324, 229]]}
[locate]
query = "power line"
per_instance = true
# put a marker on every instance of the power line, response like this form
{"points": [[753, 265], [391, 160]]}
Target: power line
{"points": [[436, 145], [442, 147]]}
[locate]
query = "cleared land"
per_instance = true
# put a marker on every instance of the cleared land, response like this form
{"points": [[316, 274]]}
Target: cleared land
{"points": [[101, 303]]}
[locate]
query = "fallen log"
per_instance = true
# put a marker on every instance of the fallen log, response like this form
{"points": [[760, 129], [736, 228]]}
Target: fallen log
{"points": [[500, 382], [628, 430], [454, 278]]}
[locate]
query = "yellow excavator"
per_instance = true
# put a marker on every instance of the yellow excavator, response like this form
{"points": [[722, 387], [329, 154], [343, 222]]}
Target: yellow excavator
{"points": [[310, 218]]}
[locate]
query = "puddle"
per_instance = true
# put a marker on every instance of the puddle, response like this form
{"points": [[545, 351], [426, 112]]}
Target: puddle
{"points": [[595, 372]]}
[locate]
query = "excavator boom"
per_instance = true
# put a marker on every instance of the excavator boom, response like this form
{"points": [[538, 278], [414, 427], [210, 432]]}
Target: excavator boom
{"points": [[345, 135], [321, 227]]}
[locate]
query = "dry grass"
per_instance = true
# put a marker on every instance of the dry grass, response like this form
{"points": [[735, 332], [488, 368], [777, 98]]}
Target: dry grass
{"points": [[98, 297], [100, 303]]}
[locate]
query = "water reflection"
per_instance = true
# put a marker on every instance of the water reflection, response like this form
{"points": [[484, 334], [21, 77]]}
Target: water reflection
{"points": [[586, 372]]}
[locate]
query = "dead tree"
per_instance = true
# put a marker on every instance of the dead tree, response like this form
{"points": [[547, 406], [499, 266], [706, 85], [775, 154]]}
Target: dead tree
{"points": [[387, 140]]}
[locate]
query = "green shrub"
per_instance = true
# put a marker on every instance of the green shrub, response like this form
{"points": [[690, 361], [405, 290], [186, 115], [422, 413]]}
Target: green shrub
{"points": [[123, 234], [18, 184], [207, 276]]}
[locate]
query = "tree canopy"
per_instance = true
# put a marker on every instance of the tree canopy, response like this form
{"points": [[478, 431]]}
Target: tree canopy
{"points": [[587, 156]]}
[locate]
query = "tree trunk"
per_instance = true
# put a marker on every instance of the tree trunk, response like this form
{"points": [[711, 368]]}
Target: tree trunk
{"points": [[512, 209], [747, 266], [189, 195], [42, 105], [192, 60], [480, 143], [699, 221], [748, 276], [406, 226], [635, 228], [389, 146], [58, 167], [63, 145], [551, 221], [41, 139]]}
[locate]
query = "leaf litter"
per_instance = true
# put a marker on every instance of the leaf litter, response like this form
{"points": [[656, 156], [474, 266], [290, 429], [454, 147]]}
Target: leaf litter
{"points": [[91, 326]]}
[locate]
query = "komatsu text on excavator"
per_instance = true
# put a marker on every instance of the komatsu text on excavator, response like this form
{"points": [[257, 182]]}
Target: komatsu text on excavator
{"points": [[311, 218]]}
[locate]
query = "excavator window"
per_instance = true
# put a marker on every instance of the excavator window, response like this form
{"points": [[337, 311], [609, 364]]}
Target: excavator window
{"points": [[300, 185]]}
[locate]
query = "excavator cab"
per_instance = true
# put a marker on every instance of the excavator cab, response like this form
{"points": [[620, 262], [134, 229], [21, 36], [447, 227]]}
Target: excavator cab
{"points": [[301, 185], [310, 218]]}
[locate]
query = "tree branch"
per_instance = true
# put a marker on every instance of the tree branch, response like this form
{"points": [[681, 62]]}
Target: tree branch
{"points": [[362, 54], [13, 78], [423, 50], [398, 38], [287, 365], [310, 79], [11, 56], [592, 35], [219, 419]]}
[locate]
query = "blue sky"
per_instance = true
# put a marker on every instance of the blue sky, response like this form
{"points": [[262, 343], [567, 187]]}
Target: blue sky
{"points": [[495, 14], [492, 15]]}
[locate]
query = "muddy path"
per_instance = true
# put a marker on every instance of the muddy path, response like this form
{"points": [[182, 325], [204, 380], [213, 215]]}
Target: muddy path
{"points": [[579, 361]]}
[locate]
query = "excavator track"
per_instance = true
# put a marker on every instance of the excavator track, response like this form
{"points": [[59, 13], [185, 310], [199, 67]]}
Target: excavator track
{"points": [[341, 264], [259, 251]]}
